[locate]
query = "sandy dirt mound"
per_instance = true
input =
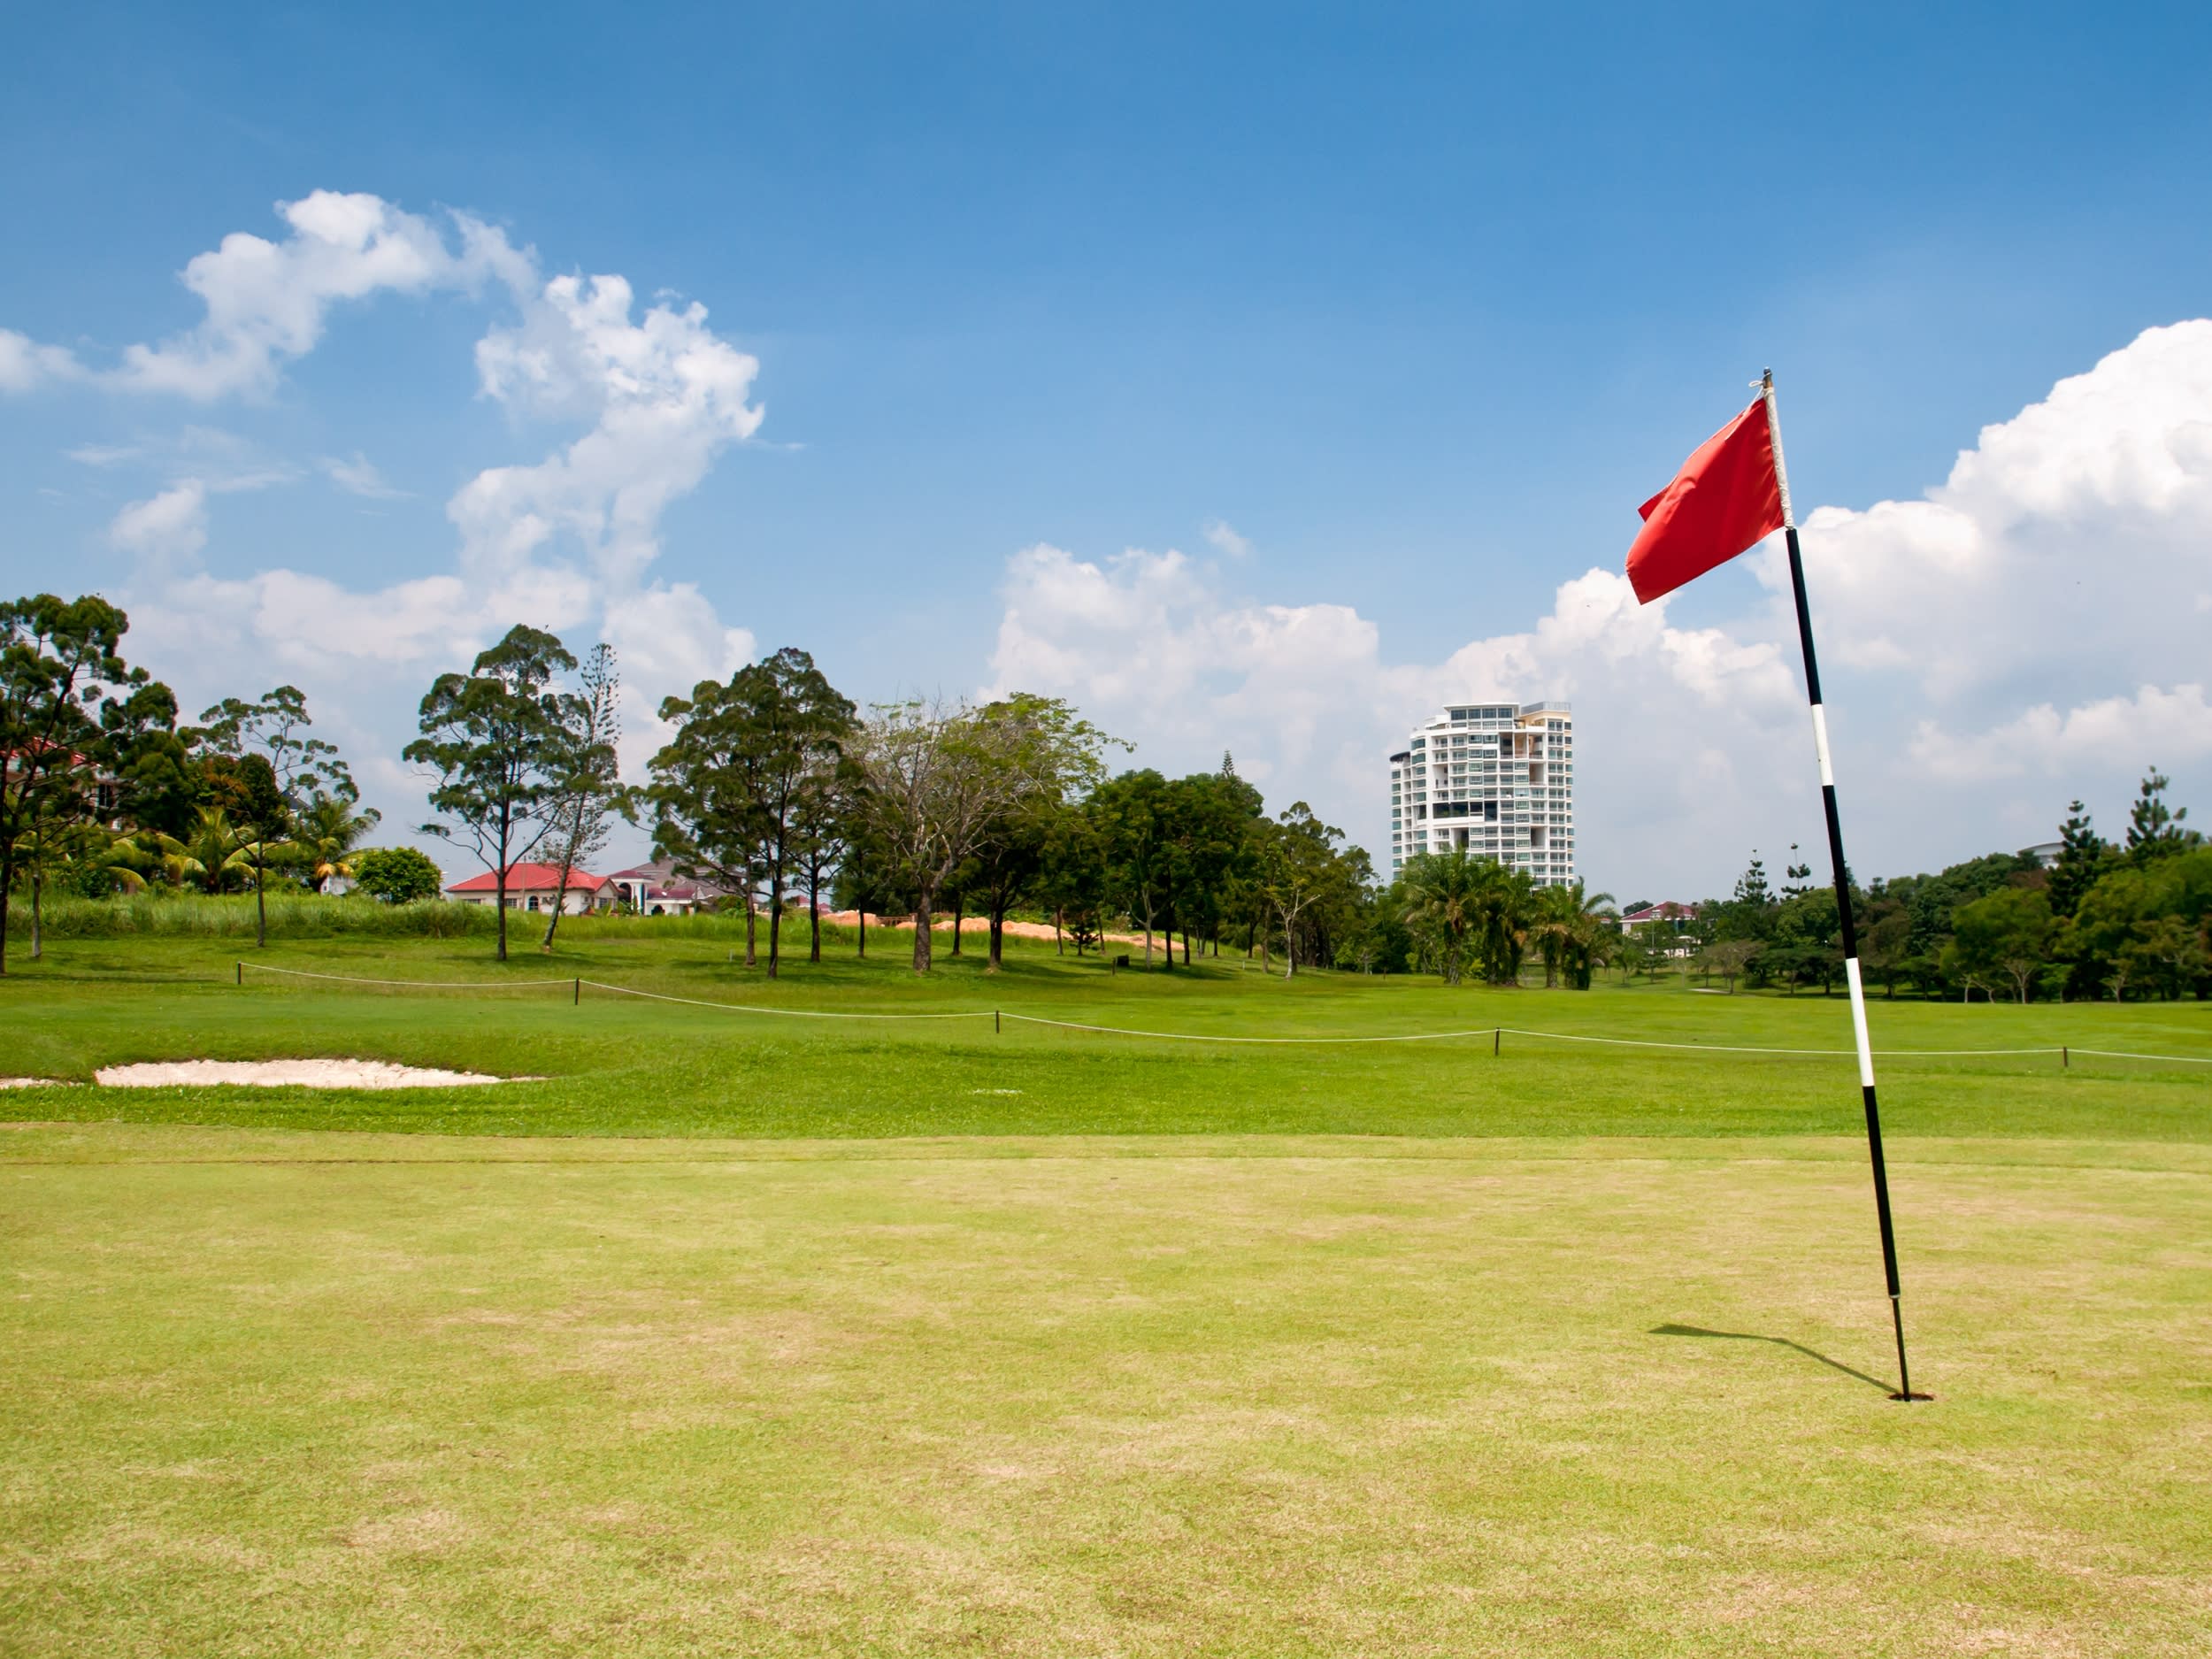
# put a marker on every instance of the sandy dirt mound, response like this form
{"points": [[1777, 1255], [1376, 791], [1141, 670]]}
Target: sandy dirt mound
{"points": [[290, 1073], [971, 927]]}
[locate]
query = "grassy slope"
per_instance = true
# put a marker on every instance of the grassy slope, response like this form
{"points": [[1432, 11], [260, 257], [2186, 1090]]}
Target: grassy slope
{"points": [[640, 1068]]}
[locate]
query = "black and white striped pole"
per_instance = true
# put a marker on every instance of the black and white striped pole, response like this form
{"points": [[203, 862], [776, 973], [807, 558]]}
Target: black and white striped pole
{"points": [[1849, 925]]}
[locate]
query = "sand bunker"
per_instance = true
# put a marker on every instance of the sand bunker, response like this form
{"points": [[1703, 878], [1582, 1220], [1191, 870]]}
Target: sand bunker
{"points": [[291, 1074], [32, 1082]]}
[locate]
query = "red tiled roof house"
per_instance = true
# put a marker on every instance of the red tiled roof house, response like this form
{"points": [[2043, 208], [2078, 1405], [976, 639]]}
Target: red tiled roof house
{"points": [[533, 887]]}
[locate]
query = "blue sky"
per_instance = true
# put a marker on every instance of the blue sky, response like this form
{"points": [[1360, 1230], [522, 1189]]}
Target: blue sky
{"points": [[1412, 305]]}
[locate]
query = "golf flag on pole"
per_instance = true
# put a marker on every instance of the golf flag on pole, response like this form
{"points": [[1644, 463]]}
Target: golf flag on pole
{"points": [[1727, 497], [1731, 494]]}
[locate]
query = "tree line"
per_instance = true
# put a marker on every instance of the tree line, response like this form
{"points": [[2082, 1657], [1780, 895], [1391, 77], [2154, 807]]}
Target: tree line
{"points": [[772, 786], [104, 787], [2132, 918]]}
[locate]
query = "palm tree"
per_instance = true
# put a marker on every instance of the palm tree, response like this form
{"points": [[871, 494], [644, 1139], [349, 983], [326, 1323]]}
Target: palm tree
{"points": [[1505, 908], [1571, 930], [218, 851], [1442, 893], [326, 832], [164, 855]]}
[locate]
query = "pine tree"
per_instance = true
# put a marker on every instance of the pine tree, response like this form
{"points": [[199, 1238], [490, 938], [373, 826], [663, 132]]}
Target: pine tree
{"points": [[2082, 853], [2153, 829], [1798, 877], [1751, 887]]}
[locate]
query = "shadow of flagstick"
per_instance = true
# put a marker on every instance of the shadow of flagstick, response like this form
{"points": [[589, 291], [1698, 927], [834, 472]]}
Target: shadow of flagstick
{"points": [[1778, 1341]]}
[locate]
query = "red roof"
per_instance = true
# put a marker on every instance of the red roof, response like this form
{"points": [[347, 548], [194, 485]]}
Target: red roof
{"points": [[531, 879]]}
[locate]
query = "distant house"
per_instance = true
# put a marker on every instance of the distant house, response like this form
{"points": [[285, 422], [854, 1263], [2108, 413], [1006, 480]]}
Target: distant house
{"points": [[656, 889], [533, 888], [1661, 925]]}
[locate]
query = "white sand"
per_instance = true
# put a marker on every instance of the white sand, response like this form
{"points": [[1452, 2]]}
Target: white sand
{"points": [[31, 1082], [290, 1073]]}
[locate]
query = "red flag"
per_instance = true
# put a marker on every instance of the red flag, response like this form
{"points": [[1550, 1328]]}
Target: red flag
{"points": [[1724, 500]]}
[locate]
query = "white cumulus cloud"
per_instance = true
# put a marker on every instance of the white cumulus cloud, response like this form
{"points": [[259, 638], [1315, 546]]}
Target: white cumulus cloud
{"points": [[2029, 629], [170, 525], [651, 395]]}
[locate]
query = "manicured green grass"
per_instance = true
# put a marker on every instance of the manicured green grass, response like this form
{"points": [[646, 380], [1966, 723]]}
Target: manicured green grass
{"points": [[346, 1394], [621, 1066], [753, 1334]]}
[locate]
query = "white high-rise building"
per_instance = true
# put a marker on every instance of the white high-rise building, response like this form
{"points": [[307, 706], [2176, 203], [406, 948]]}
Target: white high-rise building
{"points": [[1495, 777]]}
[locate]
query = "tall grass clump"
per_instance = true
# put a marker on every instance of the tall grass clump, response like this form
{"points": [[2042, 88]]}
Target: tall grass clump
{"points": [[231, 915]]}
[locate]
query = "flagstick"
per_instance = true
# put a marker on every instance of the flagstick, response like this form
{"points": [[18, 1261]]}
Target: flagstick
{"points": [[1843, 894]]}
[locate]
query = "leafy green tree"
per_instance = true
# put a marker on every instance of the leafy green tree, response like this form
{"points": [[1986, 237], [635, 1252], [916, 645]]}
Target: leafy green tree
{"points": [[1071, 881], [1131, 819], [397, 875], [277, 770], [822, 829], [1057, 756], [1884, 943], [1210, 820], [58, 659], [2006, 935], [500, 741], [1300, 864], [1728, 958], [2167, 954], [936, 780], [2119, 935], [158, 782]]}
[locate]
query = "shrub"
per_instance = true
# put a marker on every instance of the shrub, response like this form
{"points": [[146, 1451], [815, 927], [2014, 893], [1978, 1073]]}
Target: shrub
{"points": [[397, 875]]}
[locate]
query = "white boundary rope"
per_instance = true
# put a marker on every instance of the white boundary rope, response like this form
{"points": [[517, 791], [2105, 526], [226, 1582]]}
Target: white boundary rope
{"points": [[792, 1013], [2122, 1054], [426, 985], [1492, 1032]]}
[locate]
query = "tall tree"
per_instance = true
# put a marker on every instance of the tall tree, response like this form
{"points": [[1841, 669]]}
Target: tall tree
{"points": [[592, 793], [821, 834], [2007, 934], [1058, 756], [2154, 830], [273, 733], [1505, 904], [732, 790], [801, 723], [2082, 856], [1131, 819], [500, 741], [1439, 890], [57, 657], [1573, 930], [937, 779], [1298, 861]]}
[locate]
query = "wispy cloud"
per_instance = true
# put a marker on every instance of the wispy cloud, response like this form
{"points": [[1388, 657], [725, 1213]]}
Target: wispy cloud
{"points": [[359, 477], [1224, 535]]}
